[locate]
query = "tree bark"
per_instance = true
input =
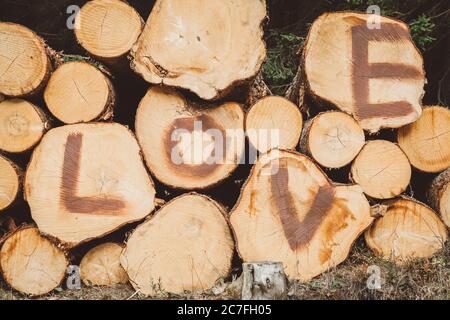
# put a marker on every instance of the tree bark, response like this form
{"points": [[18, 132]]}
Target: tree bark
{"points": [[263, 281], [439, 195]]}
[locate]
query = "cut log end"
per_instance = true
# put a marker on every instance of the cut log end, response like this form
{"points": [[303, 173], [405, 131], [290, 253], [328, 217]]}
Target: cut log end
{"points": [[426, 142], [342, 70], [89, 177], [9, 182], [206, 54], [22, 125], [79, 92], [107, 29], [408, 230], [309, 224], [186, 246], [186, 146], [101, 266], [381, 169], [31, 263], [439, 195], [24, 65], [273, 122], [332, 138]]}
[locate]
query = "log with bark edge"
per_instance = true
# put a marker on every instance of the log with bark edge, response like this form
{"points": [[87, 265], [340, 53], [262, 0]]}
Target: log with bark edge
{"points": [[185, 145], [439, 195], [22, 125], [101, 266], [79, 92], [381, 169], [332, 138], [289, 211], [31, 263], [186, 246], [10, 176], [273, 122], [426, 142], [376, 75], [407, 230], [204, 46], [86, 180], [107, 29], [24, 64]]}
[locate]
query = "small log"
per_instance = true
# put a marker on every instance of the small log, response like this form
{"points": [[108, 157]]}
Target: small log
{"points": [[22, 125], [79, 92], [381, 169], [439, 195], [332, 138], [86, 180], [376, 75], [10, 176], [208, 54], [107, 29], [426, 142], [289, 211], [186, 246], [101, 266], [263, 281], [24, 64], [31, 263], [408, 230], [189, 146], [273, 122]]}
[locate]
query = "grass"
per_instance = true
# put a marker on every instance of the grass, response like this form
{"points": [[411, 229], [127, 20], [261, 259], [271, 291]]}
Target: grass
{"points": [[420, 279]]}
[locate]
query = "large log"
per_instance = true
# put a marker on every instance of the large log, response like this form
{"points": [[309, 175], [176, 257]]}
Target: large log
{"points": [[31, 263], [374, 74], [189, 146], [186, 246], [273, 122], [22, 125], [24, 64], [204, 46], [381, 169], [426, 142], [10, 182], [79, 92], [407, 230], [332, 138], [439, 195], [101, 266], [107, 29], [289, 211], [86, 180]]}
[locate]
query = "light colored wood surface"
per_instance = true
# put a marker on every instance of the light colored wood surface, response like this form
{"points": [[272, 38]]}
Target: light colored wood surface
{"points": [[9, 182], [288, 211], [186, 246], [203, 46]]}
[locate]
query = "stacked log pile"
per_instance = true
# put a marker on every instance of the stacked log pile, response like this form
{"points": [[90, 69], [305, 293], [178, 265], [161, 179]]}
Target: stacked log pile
{"points": [[90, 177]]}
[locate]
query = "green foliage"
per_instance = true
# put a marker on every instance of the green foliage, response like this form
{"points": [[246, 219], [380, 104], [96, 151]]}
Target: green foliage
{"points": [[421, 30], [281, 64]]}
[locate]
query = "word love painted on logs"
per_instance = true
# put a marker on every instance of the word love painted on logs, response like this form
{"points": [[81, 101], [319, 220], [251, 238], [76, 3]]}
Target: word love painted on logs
{"points": [[363, 71], [69, 199]]}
